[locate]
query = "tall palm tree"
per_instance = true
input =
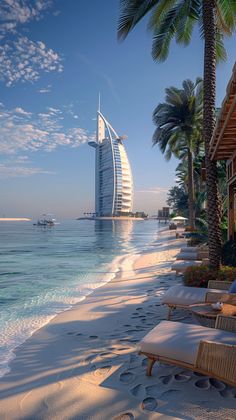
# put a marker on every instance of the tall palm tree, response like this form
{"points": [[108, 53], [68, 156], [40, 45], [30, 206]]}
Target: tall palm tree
{"points": [[178, 121], [177, 18]]}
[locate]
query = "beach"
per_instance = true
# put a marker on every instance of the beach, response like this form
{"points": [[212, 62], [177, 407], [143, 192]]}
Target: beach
{"points": [[84, 363]]}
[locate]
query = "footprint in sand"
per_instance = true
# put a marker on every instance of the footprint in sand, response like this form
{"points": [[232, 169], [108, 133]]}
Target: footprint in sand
{"points": [[170, 393], [202, 383], [153, 390], [228, 392], [138, 391], [166, 379], [179, 377], [149, 404], [124, 416], [102, 370], [123, 348], [215, 383], [127, 377]]}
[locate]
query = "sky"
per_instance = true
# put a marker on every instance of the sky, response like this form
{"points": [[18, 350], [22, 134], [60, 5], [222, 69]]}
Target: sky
{"points": [[55, 57]]}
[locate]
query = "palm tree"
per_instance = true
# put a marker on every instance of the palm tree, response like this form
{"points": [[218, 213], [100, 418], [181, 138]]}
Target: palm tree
{"points": [[177, 18], [178, 123]]}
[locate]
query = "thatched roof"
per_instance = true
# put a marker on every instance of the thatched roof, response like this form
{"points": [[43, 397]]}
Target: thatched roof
{"points": [[223, 142]]}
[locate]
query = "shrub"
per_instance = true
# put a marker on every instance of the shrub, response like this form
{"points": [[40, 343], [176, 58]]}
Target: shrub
{"points": [[229, 253], [199, 276]]}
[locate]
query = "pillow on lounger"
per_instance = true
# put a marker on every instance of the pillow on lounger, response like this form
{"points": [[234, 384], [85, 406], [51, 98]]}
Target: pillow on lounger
{"points": [[232, 288]]}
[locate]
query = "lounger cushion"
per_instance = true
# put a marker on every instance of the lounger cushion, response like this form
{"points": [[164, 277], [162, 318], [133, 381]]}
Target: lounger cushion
{"points": [[184, 295], [182, 265], [179, 341], [187, 256], [189, 249]]}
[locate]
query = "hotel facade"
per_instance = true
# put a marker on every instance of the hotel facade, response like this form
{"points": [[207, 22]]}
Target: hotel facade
{"points": [[113, 176]]}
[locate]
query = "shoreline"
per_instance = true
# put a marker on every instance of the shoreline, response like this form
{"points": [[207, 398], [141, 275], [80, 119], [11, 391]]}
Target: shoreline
{"points": [[114, 268], [84, 364], [15, 219], [89, 288]]}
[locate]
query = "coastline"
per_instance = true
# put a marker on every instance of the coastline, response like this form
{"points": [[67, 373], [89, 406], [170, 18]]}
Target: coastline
{"points": [[84, 364], [15, 219]]}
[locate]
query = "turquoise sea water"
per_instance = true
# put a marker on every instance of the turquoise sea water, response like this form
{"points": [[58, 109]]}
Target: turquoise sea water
{"points": [[44, 271]]}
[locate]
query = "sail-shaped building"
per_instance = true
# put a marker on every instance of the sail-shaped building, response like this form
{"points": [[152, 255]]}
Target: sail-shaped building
{"points": [[113, 176]]}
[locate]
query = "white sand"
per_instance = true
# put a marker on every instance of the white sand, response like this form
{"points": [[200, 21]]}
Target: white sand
{"points": [[84, 365]]}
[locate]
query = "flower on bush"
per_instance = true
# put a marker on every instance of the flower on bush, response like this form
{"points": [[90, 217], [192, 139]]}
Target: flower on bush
{"points": [[199, 276]]}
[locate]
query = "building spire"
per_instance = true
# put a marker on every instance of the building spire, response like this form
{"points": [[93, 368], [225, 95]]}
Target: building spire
{"points": [[99, 102]]}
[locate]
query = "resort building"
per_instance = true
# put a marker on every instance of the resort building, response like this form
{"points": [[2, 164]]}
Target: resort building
{"points": [[223, 147], [113, 177]]}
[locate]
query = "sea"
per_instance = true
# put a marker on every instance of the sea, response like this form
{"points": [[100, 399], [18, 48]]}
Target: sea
{"points": [[44, 271]]}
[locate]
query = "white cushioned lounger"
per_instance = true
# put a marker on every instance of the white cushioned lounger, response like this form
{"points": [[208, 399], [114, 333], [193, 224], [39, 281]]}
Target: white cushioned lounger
{"points": [[187, 256], [180, 266], [179, 341], [189, 249], [184, 296]]}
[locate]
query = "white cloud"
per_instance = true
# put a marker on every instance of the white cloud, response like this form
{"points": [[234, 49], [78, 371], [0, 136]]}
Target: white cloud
{"points": [[11, 171], [46, 89], [22, 59], [155, 190], [23, 131], [22, 111], [16, 12]]}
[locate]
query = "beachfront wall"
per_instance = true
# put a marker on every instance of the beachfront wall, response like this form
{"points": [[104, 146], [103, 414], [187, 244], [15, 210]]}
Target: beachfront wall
{"points": [[223, 147], [113, 176]]}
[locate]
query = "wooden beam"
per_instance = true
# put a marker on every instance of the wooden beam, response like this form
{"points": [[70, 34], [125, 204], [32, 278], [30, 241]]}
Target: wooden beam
{"points": [[225, 125]]}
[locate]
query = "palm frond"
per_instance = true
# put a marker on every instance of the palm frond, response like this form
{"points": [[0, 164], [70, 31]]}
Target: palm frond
{"points": [[131, 12]]}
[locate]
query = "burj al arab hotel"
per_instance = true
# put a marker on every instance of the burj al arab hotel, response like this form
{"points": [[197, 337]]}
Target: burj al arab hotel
{"points": [[113, 176]]}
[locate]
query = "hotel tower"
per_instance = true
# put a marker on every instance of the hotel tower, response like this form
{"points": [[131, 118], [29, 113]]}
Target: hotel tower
{"points": [[113, 177]]}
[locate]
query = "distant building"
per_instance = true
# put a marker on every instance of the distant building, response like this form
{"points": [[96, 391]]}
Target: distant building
{"points": [[113, 176], [164, 213]]}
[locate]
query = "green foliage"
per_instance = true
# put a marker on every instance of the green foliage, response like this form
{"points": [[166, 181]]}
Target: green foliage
{"points": [[176, 19], [199, 276], [178, 120], [229, 253], [177, 199]]}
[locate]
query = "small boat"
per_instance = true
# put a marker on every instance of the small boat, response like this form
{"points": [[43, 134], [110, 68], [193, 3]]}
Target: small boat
{"points": [[46, 221]]}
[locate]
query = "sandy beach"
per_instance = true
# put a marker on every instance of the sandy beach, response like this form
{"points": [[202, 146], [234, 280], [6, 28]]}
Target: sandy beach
{"points": [[84, 364]]}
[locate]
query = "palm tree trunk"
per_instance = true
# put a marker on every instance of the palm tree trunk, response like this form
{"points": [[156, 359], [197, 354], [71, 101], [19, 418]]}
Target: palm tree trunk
{"points": [[191, 198], [213, 202]]}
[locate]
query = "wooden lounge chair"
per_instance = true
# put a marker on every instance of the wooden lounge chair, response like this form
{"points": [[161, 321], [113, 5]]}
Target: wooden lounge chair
{"points": [[180, 296], [209, 351], [180, 266], [193, 253], [197, 255]]}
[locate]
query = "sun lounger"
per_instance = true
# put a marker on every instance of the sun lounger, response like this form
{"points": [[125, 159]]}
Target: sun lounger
{"points": [[180, 266], [180, 296], [193, 253], [194, 248], [209, 351], [187, 256]]}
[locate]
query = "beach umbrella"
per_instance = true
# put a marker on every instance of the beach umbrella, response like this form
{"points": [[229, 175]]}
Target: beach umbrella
{"points": [[179, 219]]}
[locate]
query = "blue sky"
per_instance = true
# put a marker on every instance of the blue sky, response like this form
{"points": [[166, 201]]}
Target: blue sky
{"points": [[56, 56]]}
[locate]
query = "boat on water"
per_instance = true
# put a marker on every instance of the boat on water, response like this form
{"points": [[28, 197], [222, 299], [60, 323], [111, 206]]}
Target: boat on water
{"points": [[46, 221]]}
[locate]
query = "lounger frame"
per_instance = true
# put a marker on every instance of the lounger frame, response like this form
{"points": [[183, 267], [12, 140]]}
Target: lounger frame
{"points": [[211, 297], [213, 358]]}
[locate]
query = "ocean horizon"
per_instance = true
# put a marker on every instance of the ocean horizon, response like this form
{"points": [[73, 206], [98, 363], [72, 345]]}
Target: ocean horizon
{"points": [[45, 271]]}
